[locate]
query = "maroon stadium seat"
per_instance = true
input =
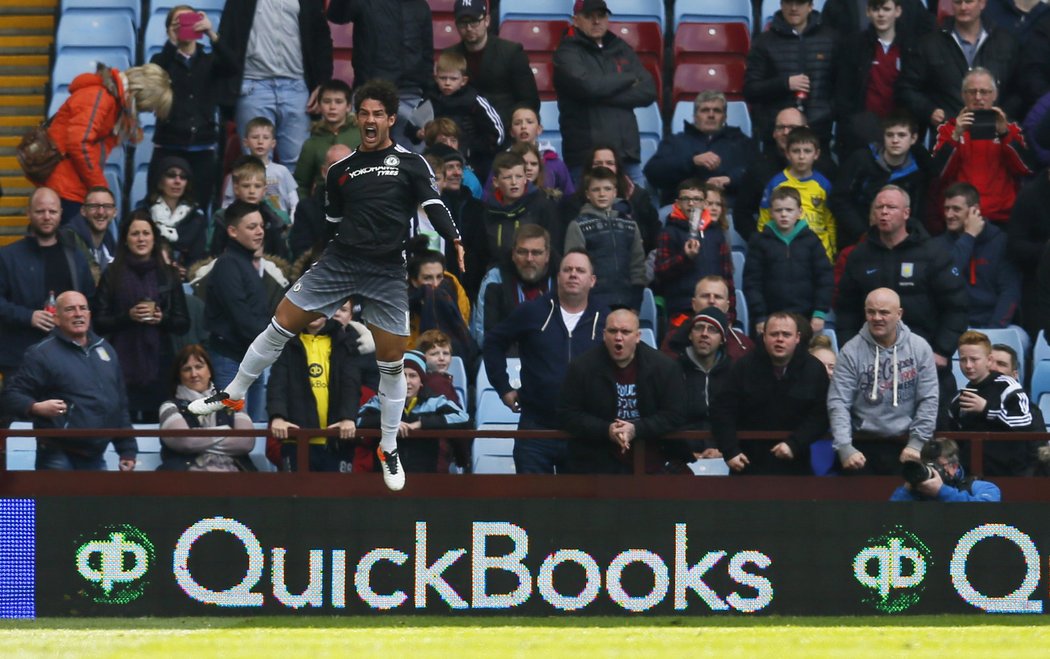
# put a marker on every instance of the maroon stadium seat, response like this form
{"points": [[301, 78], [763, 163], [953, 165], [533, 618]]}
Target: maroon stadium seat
{"points": [[724, 73], [644, 37], [441, 6], [544, 73], [445, 33], [700, 38], [342, 36], [341, 67], [534, 36]]}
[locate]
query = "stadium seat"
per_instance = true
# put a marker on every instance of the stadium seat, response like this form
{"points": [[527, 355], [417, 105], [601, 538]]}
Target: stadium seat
{"points": [[649, 121], [342, 36], [830, 333], [551, 139], [458, 371], [342, 69], [713, 11], [57, 99], [133, 8], [647, 312], [535, 36], [693, 39], [103, 35], [648, 337], [944, 10], [442, 6], [737, 115], [1041, 349], [739, 259], [69, 65], [143, 151], [1040, 380], [1012, 338], [544, 74], [549, 117], [115, 182], [482, 383], [736, 240], [742, 316], [651, 11], [523, 10], [960, 379], [1044, 407], [709, 467], [138, 189], [646, 38], [445, 33], [724, 73], [20, 453]]}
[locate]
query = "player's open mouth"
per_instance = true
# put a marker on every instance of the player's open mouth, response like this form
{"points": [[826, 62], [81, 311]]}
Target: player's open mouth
{"points": [[371, 132]]}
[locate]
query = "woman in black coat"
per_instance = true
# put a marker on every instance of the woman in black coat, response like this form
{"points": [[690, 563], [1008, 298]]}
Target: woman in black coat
{"points": [[139, 306]]}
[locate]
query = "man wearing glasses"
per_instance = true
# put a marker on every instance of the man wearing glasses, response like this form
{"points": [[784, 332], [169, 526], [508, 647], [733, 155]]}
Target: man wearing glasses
{"points": [[90, 230], [498, 68]]}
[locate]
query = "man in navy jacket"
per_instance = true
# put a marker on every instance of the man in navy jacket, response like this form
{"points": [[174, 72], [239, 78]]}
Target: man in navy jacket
{"points": [[550, 331]]}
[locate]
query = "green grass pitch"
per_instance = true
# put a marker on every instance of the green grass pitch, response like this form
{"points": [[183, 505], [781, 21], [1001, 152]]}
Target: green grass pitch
{"points": [[581, 638]]}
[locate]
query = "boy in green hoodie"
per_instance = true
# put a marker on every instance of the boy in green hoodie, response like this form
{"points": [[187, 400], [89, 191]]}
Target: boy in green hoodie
{"points": [[337, 126]]}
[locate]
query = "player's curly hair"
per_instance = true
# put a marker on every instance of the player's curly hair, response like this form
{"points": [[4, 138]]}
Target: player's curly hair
{"points": [[378, 90]]}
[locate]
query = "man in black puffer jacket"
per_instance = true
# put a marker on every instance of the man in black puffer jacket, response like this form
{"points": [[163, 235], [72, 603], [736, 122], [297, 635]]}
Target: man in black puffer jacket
{"points": [[599, 81], [793, 64]]}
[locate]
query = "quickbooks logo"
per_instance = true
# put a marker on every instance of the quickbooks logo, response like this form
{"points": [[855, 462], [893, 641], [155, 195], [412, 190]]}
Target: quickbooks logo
{"points": [[115, 561], [893, 567]]}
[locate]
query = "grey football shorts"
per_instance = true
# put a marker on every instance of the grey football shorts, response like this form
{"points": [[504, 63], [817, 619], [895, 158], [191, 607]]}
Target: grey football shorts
{"points": [[381, 288]]}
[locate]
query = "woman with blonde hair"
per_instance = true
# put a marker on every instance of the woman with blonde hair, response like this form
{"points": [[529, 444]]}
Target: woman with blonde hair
{"points": [[101, 113]]}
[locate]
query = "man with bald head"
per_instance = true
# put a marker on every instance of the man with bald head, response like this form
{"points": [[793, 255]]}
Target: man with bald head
{"points": [[43, 262], [310, 228], [883, 398], [620, 392], [72, 379]]}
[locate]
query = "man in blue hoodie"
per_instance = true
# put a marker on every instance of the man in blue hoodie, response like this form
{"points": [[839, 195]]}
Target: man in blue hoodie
{"points": [[882, 402], [549, 331]]}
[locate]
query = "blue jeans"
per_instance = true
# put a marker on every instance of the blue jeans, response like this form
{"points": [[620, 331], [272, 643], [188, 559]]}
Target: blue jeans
{"points": [[282, 101], [48, 458], [255, 399], [539, 456]]}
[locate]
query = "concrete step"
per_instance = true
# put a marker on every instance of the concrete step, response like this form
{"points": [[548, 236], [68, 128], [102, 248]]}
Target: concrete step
{"points": [[15, 183], [21, 7], [24, 65], [23, 85], [17, 125], [27, 24]]}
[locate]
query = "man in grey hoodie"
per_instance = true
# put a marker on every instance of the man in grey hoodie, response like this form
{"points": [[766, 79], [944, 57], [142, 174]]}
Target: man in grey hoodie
{"points": [[883, 398]]}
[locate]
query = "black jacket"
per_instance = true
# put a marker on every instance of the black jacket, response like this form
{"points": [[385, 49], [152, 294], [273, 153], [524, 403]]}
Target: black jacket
{"points": [[787, 276], [701, 389], [753, 399], [844, 16], [316, 38], [643, 210], [108, 318], [598, 89], [500, 222], [1008, 410], [393, 40], [468, 214], [194, 93], [932, 292], [932, 76], [860, 178], [588, 406], [504, 76], [673, 161], [310, 230], [779, 53], [237, 307], [288, 392], [1028, 231]]}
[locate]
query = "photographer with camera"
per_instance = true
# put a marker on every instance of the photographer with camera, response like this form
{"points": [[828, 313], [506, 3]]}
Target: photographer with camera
{"points": [[940, 477], [983, 148]]}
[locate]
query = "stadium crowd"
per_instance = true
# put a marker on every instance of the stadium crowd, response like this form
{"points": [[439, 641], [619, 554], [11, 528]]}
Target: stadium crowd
{"points": [[819, 278]]}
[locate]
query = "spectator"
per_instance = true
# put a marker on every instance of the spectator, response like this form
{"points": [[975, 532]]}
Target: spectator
{"points": [[91, 232], [393, 41], [139, 306], [792, 64], [994, 164], [283, 54], [710, 291], [821, 348], [548, 331], [705, 364], [101, 113], [1003, 360], [316, 384], [444, 131], [1027, 234], [789, 386], [992, 402], [868, 74], [436, 348], [337, 126], [787, 267], [534, 168], [468, 214], [173, 208], [948, 481], [767, 164], [33, 269], [883, 396], [707, 150], [932, 78], [424, 410], [897, 158], [259, 141], [525, 276], [612, 239], [190, 131], [637, 197], [599, 81], [498, 68], [1042, 309], [1021, 17], [238, 306], [525, 127], [846, 17], [803, 149], [249, 185], [311, 230], [619, 392], [692, 245], [191, 379], [897, 255], [72, 379], [978, 249], [436, 300]]}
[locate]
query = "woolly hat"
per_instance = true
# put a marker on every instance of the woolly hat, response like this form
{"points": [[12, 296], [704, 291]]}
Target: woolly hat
{"points": [[713, 316], [415, 360]]}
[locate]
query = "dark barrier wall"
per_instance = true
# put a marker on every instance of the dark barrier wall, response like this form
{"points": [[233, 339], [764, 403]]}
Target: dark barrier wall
{"points": [[206, 556]]}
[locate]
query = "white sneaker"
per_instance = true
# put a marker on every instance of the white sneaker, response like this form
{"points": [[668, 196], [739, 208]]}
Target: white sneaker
{"points": [[215, 403], [390, 465]]}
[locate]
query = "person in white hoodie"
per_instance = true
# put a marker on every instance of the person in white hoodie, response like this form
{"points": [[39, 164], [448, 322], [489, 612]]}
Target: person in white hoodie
{"points": [[883, 398]]}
